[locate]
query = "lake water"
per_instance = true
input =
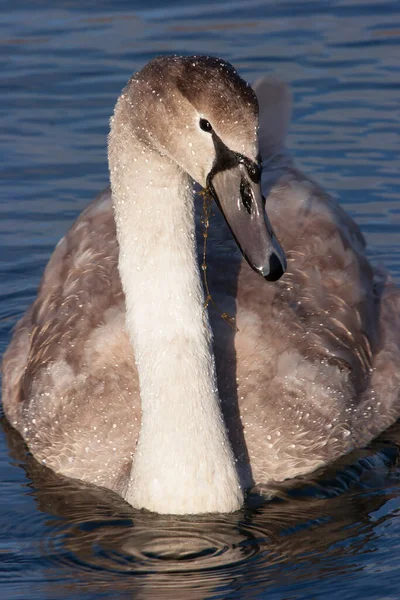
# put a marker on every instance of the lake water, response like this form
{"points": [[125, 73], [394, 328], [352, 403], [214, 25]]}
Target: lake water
{"points": [[63, 64]]}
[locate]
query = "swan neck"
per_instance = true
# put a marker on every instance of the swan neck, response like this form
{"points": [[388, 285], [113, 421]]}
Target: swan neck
{"points": [[183, 461]]}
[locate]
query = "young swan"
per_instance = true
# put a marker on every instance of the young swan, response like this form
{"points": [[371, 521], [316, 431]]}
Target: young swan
{"points": [[110, 375]]}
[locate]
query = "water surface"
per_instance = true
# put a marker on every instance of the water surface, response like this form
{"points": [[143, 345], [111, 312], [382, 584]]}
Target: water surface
{"points": [[63, 65]]}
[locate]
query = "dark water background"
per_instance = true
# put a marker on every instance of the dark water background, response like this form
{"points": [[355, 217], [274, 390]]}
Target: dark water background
{"points": [[62, 66]]}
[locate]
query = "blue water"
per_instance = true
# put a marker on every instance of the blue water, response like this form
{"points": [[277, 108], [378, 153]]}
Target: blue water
{"points": [[62, 66]]}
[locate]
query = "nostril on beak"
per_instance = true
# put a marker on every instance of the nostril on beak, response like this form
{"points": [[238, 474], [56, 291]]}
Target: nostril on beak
{"points": [[276, 268]]}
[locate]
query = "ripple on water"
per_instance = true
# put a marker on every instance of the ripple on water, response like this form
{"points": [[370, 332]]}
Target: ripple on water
{"points": [[88, 538]]}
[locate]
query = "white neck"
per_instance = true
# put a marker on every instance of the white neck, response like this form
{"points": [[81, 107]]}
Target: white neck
{"points": [[183, 461]]}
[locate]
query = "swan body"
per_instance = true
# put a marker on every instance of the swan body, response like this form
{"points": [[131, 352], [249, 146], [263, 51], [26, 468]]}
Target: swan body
{"points": [[116, 375]]}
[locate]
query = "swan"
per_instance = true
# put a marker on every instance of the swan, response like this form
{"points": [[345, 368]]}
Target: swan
{"points": [[118, 376]]}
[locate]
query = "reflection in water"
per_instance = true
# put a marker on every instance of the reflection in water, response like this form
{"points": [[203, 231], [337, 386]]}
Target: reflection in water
{"points": [[314, 527]]}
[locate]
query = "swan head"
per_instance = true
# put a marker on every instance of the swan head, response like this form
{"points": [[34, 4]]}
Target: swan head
{"points": [[200, 114]]}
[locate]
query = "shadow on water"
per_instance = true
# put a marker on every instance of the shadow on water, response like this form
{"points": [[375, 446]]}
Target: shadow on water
{"points": [[315, 528]]}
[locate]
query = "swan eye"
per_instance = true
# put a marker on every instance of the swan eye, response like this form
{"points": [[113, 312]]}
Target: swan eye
{"points": [[205, 125]]}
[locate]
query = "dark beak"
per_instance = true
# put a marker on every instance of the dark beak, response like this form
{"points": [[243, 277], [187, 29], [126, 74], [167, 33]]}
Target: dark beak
{"points": [[236, 190]]}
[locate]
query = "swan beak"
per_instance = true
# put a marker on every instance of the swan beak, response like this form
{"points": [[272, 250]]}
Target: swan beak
{"points": [[237, 192]]}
